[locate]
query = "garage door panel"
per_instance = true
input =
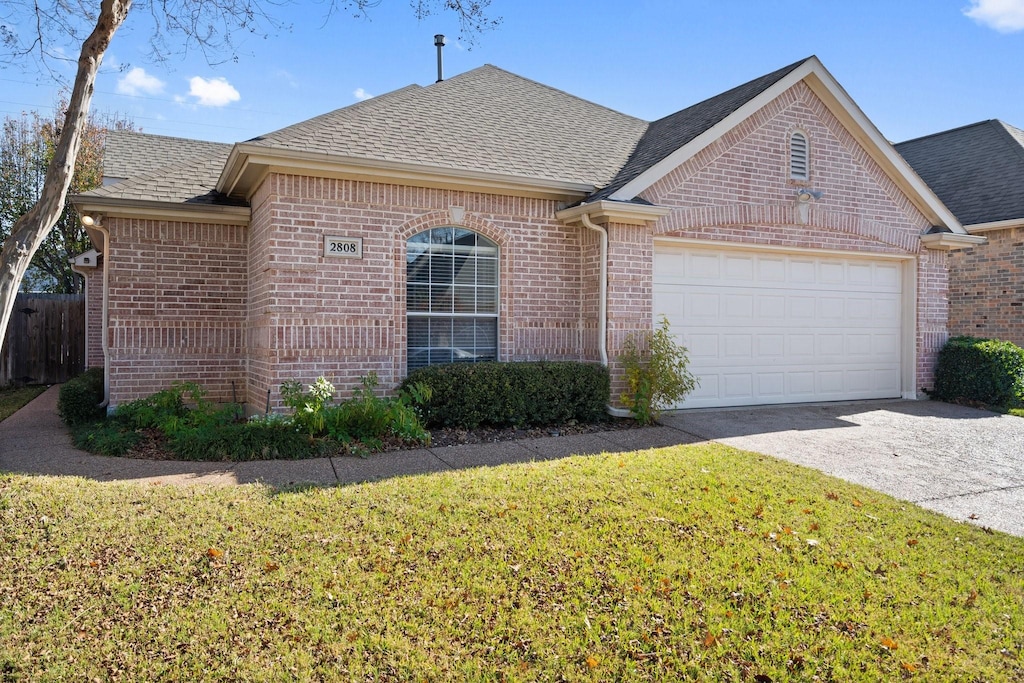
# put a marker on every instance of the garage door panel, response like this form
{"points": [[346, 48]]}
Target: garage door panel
{"points": [[776, 328]]}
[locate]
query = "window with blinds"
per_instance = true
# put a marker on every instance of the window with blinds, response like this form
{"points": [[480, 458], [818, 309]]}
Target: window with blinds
{"points": [[451, 297]]}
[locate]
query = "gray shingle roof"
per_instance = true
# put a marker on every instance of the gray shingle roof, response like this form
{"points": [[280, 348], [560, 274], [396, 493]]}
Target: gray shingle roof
{"points": [[666, 135], [486, 120], [128, 153], [977, 170], [188, 182]]}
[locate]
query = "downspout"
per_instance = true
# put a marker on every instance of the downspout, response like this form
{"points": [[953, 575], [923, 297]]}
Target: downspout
{"points": [[602, 306]]}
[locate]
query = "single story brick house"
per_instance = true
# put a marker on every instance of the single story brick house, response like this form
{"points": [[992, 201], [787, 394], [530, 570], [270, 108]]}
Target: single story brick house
{"points": [[978, 173], [488, 216]]}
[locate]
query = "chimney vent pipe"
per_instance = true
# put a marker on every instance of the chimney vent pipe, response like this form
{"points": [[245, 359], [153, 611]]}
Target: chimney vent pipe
{"points": [[439, 44]]}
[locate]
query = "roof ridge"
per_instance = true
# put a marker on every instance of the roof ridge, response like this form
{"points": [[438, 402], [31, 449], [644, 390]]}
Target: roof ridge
{"points": [[547, 87], [165, 137], [1017, 145], [945, 132], [355, 106], [778, 73]]}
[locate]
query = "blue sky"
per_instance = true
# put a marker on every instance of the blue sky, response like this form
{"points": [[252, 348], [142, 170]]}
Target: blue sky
{"points": [[914, 66]]}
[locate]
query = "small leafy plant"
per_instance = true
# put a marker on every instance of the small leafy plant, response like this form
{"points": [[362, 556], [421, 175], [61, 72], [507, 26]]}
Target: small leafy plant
{"points": [[657, 373], [309, 407]]}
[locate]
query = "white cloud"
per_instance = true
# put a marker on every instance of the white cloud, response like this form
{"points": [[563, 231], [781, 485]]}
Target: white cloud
{"points": [[215, 92], [138, 82], [361, 94], [1005, 16], [286, 76]]}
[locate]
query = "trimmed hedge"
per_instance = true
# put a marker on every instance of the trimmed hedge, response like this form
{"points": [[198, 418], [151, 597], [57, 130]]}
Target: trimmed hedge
{"points": [[79, 398], [520, 394], [984, 370]]}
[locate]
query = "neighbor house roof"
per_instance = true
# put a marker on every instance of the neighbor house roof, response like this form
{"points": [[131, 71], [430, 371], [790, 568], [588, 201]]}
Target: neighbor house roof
{"points": [[976, 170], [129, 153]]}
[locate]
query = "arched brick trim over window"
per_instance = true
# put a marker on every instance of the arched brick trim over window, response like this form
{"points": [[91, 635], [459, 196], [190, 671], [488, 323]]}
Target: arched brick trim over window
{"points": [[799, 156]]}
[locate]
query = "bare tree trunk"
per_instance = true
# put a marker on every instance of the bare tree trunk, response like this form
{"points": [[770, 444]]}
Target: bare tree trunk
{"points": [[32, 228]]}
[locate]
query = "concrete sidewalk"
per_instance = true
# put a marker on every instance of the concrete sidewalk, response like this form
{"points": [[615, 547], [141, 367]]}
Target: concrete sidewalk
{"points": [[34, 441]]}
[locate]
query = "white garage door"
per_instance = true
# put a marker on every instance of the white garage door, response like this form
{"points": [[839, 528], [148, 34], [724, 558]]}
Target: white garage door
{"points": [[772, 327]]}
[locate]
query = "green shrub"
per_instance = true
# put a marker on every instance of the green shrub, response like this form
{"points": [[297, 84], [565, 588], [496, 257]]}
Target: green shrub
{"points": [[368, 418], [657, 376], [983, 370], [169, 412], [467, 395], [104, 438], [243, 441], [80, 398]]}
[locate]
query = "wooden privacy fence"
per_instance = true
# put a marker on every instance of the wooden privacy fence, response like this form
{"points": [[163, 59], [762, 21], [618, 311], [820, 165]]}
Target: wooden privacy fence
{"points": [[45, 341]]}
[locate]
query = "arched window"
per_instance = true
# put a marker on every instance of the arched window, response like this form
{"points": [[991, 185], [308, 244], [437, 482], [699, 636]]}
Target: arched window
{"points": [[799, 156], [451, 297]]}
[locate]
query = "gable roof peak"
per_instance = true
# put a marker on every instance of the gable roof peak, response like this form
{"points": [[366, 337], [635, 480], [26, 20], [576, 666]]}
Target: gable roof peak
{"points": [[664, 137]]}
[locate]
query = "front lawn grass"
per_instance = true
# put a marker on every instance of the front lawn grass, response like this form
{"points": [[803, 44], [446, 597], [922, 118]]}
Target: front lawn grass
{"points": [[687, 563], [13, 399]]}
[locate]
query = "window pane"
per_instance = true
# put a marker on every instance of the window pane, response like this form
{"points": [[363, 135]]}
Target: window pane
{"points": [[418, 298], [441, 268], [465, 270], [486, 300], [487, 271], [442, 236], [465, 299], [440, 299], [452, 278]]}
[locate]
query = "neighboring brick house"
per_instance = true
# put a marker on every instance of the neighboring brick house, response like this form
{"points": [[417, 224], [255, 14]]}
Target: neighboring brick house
{"points": [[490, 216], [978, 172]]}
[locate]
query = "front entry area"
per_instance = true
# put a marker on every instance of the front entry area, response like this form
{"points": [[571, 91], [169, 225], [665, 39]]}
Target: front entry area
{"points": [[767, 326]]}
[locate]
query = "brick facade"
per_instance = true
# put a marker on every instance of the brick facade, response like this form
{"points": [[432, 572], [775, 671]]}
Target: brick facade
{"points": [[987, 288], [94, 316], [737, 190], [242, 309], [177, 307]]}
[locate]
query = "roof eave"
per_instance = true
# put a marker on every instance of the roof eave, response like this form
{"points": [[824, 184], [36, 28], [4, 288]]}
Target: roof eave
{"points": [[822, 83], [977, 228], [148, 209], [947, 241], [247, 165], [606, 211]]}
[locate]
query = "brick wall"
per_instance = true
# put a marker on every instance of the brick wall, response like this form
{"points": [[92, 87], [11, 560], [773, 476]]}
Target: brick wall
{"points": [[94, 316], [177, 306], [310, 315], [987, 288], [738, 190]]}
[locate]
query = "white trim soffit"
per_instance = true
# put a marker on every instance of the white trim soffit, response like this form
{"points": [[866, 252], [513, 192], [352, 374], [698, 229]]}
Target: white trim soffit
{"points": [[604, 211], [945, 241]]}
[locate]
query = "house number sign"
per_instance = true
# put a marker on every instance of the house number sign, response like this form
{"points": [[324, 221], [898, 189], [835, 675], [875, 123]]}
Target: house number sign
{"points": [[344, 247]]}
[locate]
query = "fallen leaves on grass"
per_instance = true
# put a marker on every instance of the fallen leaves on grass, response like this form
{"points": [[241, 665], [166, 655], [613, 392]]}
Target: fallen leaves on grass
{"points": [[888, 643]]}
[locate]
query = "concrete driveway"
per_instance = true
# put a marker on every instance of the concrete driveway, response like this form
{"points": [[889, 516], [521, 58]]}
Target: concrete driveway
{"points": [[965, 463]]}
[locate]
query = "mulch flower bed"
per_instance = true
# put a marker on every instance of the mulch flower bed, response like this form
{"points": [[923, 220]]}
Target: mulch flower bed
{"points": [[153, 445]]}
